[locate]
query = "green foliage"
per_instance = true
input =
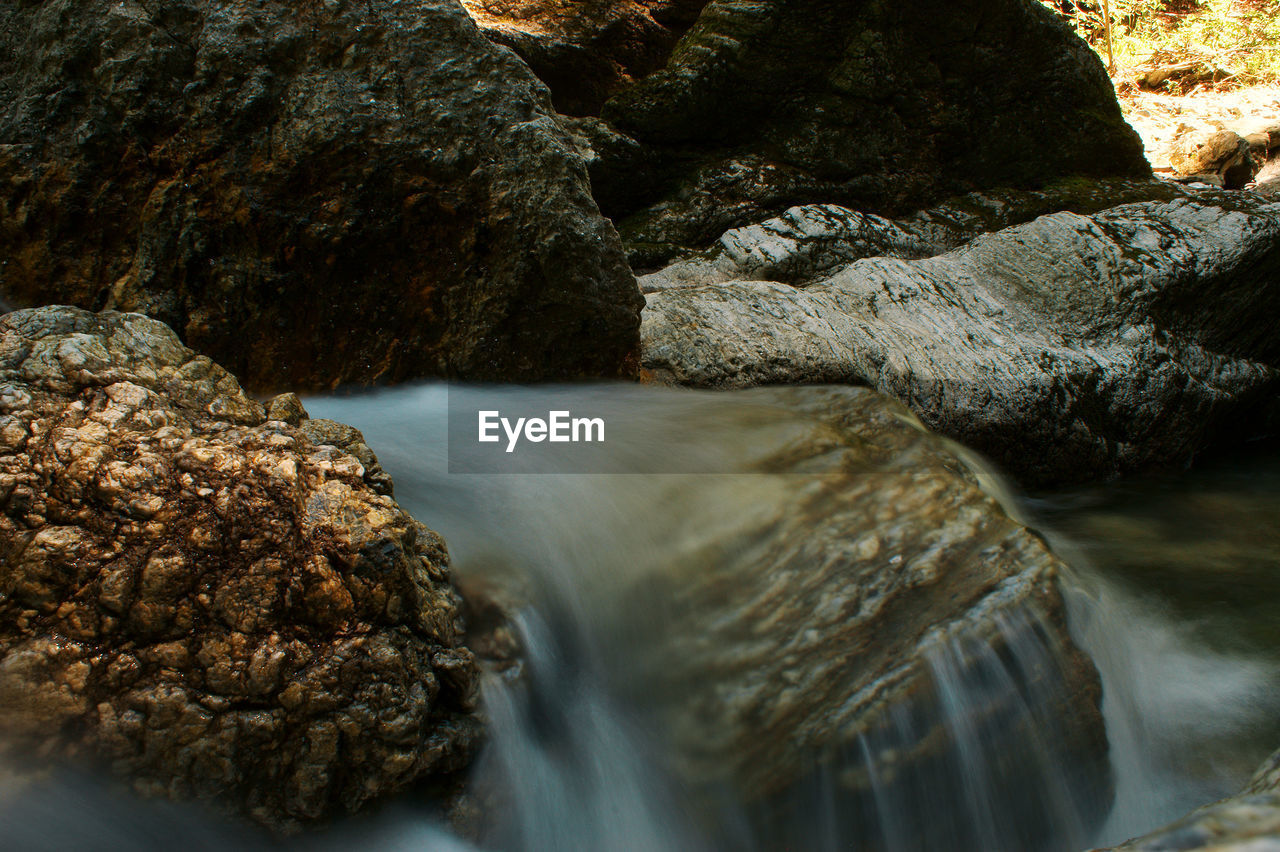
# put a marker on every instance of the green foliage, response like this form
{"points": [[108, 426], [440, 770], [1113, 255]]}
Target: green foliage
{"points": [[1240, 38]]}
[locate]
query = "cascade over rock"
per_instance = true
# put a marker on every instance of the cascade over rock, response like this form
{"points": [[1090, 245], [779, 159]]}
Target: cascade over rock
{"points": [[1246, 822], [880, 582]]}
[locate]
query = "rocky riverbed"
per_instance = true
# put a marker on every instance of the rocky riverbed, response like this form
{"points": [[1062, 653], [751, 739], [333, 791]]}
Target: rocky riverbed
{"points": [[1161, 118], [848, 255]]}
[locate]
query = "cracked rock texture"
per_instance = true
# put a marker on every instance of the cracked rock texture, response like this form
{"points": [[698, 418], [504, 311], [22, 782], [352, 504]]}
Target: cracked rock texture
{"points": [[806, 242], [310, 193], [885, 107], [211, 604], [1067, 348]]}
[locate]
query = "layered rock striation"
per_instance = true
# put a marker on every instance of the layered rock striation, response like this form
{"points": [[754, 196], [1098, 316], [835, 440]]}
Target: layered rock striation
{"points": [[1068, 348]]}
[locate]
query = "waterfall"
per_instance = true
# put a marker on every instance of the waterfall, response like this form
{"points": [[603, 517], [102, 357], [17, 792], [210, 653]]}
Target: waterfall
{"points": [[988, 767], [580, 766]]}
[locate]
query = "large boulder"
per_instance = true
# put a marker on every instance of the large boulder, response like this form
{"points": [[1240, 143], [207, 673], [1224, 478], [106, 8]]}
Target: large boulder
{"points": [[862, 633], [209, 603], [309, 193], [880, 106], [1067, 348]]}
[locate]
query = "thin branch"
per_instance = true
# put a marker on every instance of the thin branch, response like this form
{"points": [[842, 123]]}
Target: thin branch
{"points": [[1111, 59]]}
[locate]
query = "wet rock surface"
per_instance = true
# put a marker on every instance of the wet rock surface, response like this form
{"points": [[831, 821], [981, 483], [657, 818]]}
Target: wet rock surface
{"points": [[879, 583], [880, 107], [1068, 348], [212, 604], [309, 193]]}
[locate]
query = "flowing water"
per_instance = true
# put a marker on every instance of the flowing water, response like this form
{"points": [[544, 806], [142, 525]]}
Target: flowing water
{"points": [[1177, 601], [1173, 592]]}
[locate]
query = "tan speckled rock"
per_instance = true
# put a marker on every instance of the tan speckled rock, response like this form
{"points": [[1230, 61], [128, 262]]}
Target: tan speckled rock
{"points": [[214, 604], [1223, 153]]}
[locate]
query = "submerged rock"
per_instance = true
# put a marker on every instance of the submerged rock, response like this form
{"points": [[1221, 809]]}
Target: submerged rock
{"points": [[865, 633], [308, 193], [886, 107], [209, 603], [1067, 348]]}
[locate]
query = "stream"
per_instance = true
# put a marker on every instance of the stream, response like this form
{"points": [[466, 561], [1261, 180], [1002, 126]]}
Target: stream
{"points": [[1173, 591]]}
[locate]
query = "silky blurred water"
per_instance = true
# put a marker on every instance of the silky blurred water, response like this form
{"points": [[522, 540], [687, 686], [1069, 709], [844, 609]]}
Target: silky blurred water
{"points": [[1174, 592], [1177, 599]]}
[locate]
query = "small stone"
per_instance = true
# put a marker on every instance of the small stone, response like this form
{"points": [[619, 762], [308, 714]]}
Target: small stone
{"points": [[1222, 153], [1259, 142], [286, 407]]}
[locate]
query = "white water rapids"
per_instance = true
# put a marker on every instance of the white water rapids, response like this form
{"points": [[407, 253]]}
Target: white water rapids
{"points": [[574, 764]]}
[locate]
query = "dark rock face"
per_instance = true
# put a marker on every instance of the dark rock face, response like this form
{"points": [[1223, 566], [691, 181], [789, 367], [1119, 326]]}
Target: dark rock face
{"points": [[311, 193], [878, 106], [1067, 348], [586, 51], [212, 604]]}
